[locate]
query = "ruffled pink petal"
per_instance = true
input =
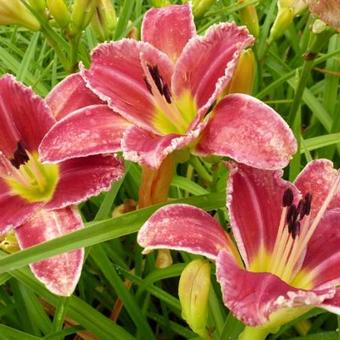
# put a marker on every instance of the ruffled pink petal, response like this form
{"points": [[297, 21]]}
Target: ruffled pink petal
{"points": [[24, 117], [60, 273], [82, 178], [14, 210], [333, 304], [118, 76], [317, 178], [322, 260], [149, 149], [253, 297], [207, 63], [70, 95], [183, 227], [88, 131], [169, 28], [250, 132], [254, 201]]}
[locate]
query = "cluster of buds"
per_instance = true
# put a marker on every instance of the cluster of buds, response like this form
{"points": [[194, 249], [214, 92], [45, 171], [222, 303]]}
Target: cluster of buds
{"points": [[73, 18]]}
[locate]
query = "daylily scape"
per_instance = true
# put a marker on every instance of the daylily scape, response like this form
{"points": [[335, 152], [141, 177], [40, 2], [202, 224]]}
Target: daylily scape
{"points": [[286, 257]]}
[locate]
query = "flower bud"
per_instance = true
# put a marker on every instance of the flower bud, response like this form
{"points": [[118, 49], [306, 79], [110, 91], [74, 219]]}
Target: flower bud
{"points": [[38, 5], [59, 12], [287, 10], [193, 292], [14, 12], [104, 20], [82, 12], [199, 7], [249, 17], [244, 75], [9, 243], [160, 3]]}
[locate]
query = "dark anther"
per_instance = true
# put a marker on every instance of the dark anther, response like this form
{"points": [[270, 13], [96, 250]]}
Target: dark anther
{"points": [[287, 198], [211, 107], [148, 86], [20, 156], [308, 202], [156, 77], [295, 229], [292, 214], [167, 94]]}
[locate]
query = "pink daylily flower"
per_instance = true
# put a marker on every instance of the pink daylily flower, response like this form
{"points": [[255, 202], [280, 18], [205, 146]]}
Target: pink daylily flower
{"points": [[287, 238], [163, 92], [35, 197]]}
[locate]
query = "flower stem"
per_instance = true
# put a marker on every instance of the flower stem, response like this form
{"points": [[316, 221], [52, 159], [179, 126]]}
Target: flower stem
{"points": [[59, 315], [253, 333], [200, 169], [316, 42]]}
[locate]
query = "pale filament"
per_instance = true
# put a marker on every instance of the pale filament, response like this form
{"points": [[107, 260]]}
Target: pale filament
{"points": [[289, 250], [170, 109]]}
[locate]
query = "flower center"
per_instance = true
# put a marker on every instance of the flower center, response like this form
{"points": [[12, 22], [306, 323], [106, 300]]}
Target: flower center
{"points": [[29, 178], [173, 115], [295, 231]]}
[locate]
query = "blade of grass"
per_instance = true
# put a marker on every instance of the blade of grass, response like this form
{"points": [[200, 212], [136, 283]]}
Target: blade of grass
{"points": [[98, 232]]}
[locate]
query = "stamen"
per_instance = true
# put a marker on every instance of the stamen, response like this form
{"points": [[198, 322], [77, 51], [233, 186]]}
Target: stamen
{"points": [[295, 229], [309, 230], [148, 86], [287, 198], [308, 203], [156, 78], [20, 156], [292, 214], [167, 94]]}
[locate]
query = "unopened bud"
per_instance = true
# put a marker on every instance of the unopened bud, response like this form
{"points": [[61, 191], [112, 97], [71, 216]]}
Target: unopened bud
{"points": [[104, 20], [38, 5], [59, 12], [287, 10], [82, 12], [199, 7], [14, 12], [193, 292], [244, 75], [9, 243], [163, 259], [319, 26], [249, 18], [160, 3]]}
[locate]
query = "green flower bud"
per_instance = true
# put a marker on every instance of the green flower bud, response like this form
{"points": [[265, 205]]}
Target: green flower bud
{"points": [[199, 7], [249, 18], [14, 12], [82, 12], [59, 12], [104, 20], [160, 3], [38, 5], [193, 292], [287, 10]]}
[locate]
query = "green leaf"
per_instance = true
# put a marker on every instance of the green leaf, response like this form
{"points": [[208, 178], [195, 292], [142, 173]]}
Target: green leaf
{"points": [[98, 232]]}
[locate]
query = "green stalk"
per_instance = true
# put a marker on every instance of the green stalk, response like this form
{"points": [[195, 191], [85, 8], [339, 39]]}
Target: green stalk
{"points": [[252, 333], [315, 44], [200, 169], [59, 315]]}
